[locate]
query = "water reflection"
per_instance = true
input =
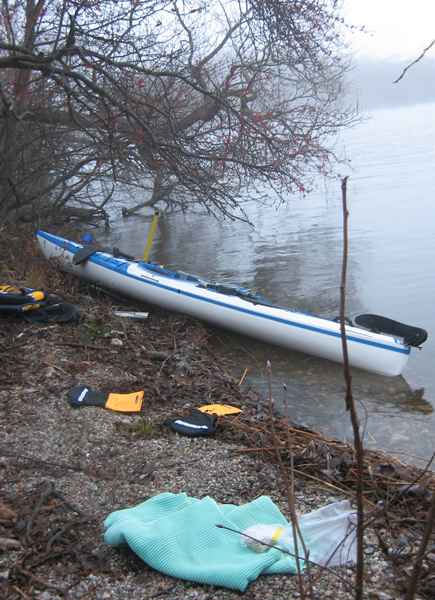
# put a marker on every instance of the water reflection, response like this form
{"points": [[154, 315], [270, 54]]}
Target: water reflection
{"points": [[284, 262]]}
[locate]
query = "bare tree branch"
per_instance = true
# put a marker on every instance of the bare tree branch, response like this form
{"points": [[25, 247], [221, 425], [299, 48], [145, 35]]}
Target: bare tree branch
{"points": [[207, 106], [415, 61]]}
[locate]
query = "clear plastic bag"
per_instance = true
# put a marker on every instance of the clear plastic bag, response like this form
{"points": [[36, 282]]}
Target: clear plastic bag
{"points": [[329, 535], [263, 534]]}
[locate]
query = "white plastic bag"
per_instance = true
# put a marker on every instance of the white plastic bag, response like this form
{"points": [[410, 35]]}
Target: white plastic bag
{"points": [[329, 535], [263, 534]]}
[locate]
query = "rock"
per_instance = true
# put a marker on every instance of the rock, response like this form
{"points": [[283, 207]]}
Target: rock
{"points": [[49, 372], [401, 541]]}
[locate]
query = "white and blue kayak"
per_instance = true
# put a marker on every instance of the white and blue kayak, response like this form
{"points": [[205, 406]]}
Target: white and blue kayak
{"points": [[374, 343]]}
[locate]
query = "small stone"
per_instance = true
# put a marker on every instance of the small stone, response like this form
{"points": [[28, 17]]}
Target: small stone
{"points": [[401, 541], [384, 596]]}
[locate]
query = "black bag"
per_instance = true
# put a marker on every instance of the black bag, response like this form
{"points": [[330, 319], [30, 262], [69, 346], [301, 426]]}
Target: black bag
{"points": [[54, 310]]}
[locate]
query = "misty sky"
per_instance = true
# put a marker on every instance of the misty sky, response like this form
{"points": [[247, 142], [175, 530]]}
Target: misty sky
{"points": [[397, 29]]}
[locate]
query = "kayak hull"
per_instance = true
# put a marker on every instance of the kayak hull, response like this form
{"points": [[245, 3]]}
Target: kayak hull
{"points": [[287, 328]]}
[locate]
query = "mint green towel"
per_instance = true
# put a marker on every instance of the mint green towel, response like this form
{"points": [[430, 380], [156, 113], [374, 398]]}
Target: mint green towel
{"points": [[177, 535]]}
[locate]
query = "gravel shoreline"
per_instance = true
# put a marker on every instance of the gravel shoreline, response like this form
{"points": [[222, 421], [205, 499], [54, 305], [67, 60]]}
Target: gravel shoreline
{"points": [[64, 470], [111, 473]]}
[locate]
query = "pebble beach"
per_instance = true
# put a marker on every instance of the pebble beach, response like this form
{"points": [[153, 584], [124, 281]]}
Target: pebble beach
{"points": [[64, 469]]}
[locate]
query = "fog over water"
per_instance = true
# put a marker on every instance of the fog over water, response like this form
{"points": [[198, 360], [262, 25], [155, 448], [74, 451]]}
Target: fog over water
{"points": [[373, 82]]}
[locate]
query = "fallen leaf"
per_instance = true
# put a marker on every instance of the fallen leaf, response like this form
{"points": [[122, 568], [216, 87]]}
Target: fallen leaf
{"points": [[9, 544], [6, 513]]}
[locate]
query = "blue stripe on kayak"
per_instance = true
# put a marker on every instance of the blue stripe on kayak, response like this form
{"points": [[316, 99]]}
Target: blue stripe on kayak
{"points": [[55, 239], [109, 261], [120, 267], [270, 317], [286, 322]]}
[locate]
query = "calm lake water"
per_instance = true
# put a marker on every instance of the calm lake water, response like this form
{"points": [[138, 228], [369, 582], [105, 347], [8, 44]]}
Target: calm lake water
{"points": [[294, 258]]}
